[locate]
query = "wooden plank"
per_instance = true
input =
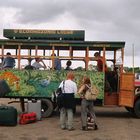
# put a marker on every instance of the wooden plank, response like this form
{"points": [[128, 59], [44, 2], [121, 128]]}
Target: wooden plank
{"points": [[126, 98]]}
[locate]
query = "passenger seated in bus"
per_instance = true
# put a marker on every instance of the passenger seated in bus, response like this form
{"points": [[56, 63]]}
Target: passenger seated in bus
{"points": [[68, 64], [37, 64], [8, 61], [57, 62]]}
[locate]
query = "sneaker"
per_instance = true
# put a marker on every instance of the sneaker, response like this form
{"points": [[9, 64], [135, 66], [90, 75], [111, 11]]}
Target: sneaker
{"points": [[95, 127], [71, 129], [63, 128], [84, 128]]}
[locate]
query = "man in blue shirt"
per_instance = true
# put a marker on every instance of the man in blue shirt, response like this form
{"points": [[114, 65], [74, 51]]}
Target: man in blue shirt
{"points": [[8, 62]]}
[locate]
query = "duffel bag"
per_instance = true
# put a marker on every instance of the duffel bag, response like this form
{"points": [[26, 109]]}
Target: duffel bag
{"points": [[26, 118], [8, 116]]}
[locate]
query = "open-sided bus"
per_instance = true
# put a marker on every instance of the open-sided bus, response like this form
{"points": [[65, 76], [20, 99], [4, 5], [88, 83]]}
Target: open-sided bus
{"points": [[26, 45]]}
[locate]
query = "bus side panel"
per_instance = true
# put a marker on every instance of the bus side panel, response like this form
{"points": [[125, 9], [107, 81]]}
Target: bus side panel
{"points": [[42, 83]]}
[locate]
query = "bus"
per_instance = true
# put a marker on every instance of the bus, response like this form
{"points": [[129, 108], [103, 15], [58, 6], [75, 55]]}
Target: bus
{"points": [[27, 44]]}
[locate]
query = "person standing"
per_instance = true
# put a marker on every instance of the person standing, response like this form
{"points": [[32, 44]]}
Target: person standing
{"points": [[8, 61], [86, 105], [99, 60], [37, 64], [108, 77], [57, 62], [69, 88]]}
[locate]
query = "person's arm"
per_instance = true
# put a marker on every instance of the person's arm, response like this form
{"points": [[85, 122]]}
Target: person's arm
{"points": [[44, 65], [3, 62], [81, 89], [14, 62], [61, 85], [75, 88]]}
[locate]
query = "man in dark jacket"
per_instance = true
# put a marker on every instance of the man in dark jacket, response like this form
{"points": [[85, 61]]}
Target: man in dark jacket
{"points": [[8, 61]]}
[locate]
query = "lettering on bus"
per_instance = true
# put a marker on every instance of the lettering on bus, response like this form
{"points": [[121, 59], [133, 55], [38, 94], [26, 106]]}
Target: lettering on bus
{"points": [[101, 45], [17, 44], [22, 31], [54, 44]]}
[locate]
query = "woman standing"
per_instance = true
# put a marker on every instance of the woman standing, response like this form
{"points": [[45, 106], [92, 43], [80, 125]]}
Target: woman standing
{"points": [[69, 88], [86, 105]]}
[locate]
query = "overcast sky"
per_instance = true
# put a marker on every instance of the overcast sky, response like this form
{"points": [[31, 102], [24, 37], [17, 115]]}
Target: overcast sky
{"points": [[102, 20]]}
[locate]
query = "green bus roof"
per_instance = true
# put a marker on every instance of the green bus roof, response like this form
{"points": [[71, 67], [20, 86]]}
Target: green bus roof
{"points": [[44, 34]]}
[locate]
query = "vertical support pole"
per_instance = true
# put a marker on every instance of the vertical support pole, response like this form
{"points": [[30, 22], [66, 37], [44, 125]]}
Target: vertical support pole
{"points": [[36, 51], [104, 59], [52, 57], [2, 52], [114, 58], [133, 57], [19, 56], [87, 58], [122, 56], [70, 52], [29, 57]]}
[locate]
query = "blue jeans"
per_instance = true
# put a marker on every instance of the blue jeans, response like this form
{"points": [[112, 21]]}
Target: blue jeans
{"points": [[87, 107]]}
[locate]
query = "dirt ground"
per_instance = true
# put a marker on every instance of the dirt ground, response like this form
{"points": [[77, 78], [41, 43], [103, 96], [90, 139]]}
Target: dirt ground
{"points": [[115, 123]]}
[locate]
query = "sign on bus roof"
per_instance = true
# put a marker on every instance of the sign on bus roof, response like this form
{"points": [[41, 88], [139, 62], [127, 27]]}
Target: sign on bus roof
{"points": [[78, 35]]}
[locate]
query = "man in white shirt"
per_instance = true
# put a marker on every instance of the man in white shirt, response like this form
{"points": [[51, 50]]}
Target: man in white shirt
{"points": [[37, 64]]}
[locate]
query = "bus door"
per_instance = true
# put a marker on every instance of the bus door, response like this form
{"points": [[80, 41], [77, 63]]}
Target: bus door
{"points": [[126, 95]]}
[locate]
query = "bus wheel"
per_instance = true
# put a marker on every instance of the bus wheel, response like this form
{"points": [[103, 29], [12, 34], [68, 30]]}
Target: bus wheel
{"points": [[129, 109], [46, 108], [137, 108]]}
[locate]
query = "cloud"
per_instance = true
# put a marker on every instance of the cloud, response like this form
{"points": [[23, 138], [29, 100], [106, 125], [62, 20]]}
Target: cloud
{"points": [[102, 20]]}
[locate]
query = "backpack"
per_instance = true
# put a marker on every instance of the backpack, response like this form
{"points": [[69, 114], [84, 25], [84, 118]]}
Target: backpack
{"points": [[57, 95], [91, 93]]}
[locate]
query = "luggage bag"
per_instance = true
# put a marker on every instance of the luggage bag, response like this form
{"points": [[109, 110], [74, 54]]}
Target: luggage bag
{"points": [[8, 116], [34, 106], [26, 118]]}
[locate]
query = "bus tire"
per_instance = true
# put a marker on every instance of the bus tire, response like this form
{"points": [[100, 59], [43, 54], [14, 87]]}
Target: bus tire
{"points": [[46, 108], [137, 108]]}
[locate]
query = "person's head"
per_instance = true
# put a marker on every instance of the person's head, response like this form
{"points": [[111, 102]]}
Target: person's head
{"points": [[38, 59], [70, 75], [68, 63], [97, 54], [86, 80], [8, 53], [53, 54]]}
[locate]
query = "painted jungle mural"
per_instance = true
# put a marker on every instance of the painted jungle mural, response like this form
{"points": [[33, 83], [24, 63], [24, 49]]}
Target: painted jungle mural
{"points": [[42, 83]]}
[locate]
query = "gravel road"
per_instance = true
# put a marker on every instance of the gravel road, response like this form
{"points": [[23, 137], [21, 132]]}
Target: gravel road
{"points": [[115, 123]]}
